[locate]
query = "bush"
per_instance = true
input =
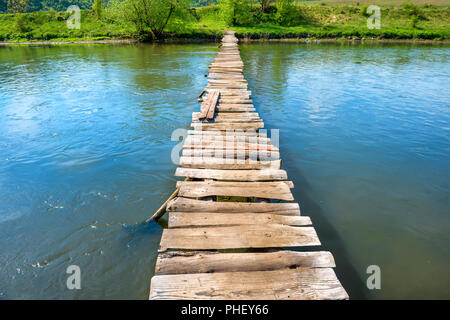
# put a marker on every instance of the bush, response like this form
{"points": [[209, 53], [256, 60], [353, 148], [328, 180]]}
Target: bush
{"points": [[237, 12], [364, 12], [98, 8], [286, 12], [21, 23], [413, 10]]}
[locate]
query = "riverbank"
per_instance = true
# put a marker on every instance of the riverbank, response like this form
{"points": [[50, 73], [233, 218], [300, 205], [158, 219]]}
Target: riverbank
{"points": [[314, 21]]}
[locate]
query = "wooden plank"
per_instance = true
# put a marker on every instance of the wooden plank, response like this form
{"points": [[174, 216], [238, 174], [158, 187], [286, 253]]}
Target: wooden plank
{"points": [[220, 163], [293, 284], [237, 132], [236, 175], [231, 145], [242, 184], [246, 115], [234, 100], [205, 106], [191, 205], [225, 108], [232, 153], [230, 120], [227, 126], [199, 139], [212, 105], [182, 262], [236, 237], [202, 219], [270, 190], [227, 86]]}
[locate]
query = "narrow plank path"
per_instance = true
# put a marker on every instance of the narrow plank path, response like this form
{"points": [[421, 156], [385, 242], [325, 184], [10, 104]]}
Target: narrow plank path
{"points": [[234, 231]]}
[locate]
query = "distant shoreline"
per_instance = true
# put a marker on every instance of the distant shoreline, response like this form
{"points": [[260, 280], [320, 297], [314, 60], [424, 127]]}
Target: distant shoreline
{"points": [[241, 39]]}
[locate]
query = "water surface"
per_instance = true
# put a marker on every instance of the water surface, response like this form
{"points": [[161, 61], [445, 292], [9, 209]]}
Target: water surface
{"points": [[85, 158]]}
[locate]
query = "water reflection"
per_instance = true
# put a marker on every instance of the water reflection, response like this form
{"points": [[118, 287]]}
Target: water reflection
{"points": [[364, 137]]}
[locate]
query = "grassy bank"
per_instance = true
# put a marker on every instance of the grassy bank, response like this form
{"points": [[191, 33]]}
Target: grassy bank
{"points": [[323, 19]]}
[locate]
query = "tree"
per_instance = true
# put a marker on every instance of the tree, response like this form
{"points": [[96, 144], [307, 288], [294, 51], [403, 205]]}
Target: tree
{"points": [[265, 4], [236, 12], [17, 6], [286, 12], [152, 15], [98, 8]]}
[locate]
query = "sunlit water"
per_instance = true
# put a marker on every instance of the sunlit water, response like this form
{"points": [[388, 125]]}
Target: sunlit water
{"points": [[85, 144]]}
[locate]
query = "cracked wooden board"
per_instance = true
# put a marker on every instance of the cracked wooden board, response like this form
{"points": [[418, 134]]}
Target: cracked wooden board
{"points": [[227, 164], [270, 190], [295, 284], [236, 237], [182, 262], [202, 219], [231, 153], [236, 175], [191, 205]]}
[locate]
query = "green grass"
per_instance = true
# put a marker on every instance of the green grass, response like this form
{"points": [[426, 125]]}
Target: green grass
{"points": [[344, 21], [314, 20]]}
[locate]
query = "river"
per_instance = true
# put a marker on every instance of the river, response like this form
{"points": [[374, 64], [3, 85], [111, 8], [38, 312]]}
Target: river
{"points": [[85, 146]]}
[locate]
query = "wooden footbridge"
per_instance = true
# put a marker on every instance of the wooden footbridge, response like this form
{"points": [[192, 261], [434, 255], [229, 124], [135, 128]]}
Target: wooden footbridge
{"points": [[219, 249]]}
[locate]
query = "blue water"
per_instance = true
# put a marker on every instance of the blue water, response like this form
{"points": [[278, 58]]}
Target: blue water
{"points": [[85, 143]]}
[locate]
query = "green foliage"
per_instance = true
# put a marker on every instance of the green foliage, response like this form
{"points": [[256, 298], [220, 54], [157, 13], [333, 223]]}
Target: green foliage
{"points": [[150, 17], [310, 21], [21, 23], [98, 8], [286, 12], [265, 5], [364, 12], [236, 12], [414, 21]]}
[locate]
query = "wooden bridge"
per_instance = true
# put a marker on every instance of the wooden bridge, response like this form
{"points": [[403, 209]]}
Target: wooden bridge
{"points": [[219, 249]]}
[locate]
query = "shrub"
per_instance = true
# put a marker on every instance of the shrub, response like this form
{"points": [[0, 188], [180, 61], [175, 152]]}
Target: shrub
{"points": [[237, 12], [98, 8], [21, 23], [364, 12], [286, 12]]}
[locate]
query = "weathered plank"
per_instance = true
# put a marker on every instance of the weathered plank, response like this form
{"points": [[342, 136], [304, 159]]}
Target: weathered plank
{"points": [[232, 153], [209, 106], [270, 190], [236, 175], [225, 108], [191, 205], [242, 184], [235, 237], [236, 132], [237, 119], [199, 139], [294, 284], [227, 126], [182, 262], [231, 145], [202, 219], [233, 100], [244, 115], [227, 164]]}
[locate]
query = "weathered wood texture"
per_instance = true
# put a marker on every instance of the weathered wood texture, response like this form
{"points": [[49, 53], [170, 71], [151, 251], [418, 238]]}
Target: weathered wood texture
{"points": [[202, 219], [191, 205], [179, 262], [298, 284], [226, 157], [235, 237]]}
